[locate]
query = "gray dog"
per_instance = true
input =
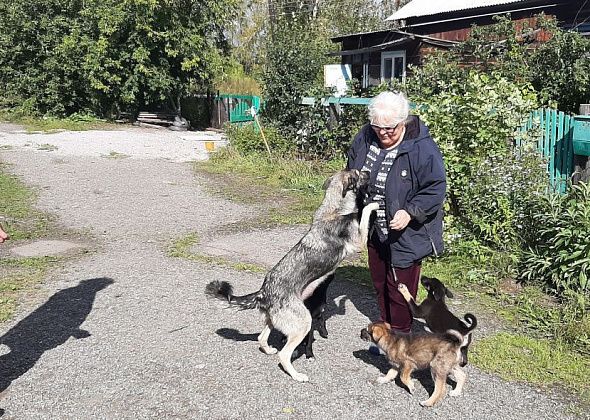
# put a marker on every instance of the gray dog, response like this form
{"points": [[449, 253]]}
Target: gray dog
{"points": [[338, 230]]}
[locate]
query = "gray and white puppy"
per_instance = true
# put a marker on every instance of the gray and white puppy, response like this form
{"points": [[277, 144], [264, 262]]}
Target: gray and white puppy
{"points": [[338, 229]]}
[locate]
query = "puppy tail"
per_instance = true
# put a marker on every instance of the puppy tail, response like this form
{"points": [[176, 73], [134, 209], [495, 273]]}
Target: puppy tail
{"points": [[470, 323], [222, 290]]}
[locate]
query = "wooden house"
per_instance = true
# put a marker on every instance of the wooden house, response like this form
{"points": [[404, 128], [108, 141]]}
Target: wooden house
{"points": [[422, 26]]}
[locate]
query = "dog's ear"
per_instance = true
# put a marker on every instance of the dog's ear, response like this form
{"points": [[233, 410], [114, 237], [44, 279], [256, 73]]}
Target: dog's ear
{"points": [[448, 293], [350, 182], [326, 183], [438, 294]]}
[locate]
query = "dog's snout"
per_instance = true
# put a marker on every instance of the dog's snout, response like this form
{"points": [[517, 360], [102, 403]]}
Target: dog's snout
{"points": [[365, 335]]}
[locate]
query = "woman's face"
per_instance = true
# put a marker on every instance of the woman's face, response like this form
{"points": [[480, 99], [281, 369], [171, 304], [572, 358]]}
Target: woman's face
{"points": [[389, 136]]}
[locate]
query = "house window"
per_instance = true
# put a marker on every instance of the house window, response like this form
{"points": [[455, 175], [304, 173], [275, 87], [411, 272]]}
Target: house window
{"points": [[360, 68], [393, 66]]}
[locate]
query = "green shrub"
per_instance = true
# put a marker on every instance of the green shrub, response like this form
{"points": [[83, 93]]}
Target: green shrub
{"points": [[494, 204], [61, 57], [321, 135], [295, 54], [247, 139], [558, 256]]}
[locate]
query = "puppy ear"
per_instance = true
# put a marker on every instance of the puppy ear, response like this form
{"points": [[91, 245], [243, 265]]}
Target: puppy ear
{"points": [[438, 294], [448, 293], [326, 183]]}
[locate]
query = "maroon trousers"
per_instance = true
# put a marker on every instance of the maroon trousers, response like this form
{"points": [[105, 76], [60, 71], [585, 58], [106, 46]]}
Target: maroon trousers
{"points": [[394, 308]]}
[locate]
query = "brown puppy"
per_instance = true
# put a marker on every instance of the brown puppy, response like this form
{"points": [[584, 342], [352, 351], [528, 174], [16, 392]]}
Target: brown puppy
{"points": [[409, 352], [434, 311]]}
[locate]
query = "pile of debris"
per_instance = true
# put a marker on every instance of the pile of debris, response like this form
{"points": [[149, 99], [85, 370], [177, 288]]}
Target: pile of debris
{"points": [[162, 120]]}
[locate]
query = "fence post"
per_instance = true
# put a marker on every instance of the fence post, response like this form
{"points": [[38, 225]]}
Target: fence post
{"points": [[334, 111], [582, 163]]}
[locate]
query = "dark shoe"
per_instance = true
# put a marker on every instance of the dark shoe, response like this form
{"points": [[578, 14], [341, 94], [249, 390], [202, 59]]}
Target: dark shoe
{"points": [[375, 351]]}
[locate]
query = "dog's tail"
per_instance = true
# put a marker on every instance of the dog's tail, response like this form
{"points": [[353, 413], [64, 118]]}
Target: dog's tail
{"points": [[469, 324], [456, 337], [223, 290]]}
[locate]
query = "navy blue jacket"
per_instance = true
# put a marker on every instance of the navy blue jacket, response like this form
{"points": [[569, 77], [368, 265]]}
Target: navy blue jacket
{"points": [[417, 184]]}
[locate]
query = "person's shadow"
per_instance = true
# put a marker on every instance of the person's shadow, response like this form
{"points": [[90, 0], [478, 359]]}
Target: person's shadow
{"points": [[47, 327]]}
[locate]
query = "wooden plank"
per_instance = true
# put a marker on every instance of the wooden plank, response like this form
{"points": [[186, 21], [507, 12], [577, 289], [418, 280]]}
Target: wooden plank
{"points": [[570, 146], [546, 132], [551, 146], [143, 124], [155, 121], [559, 153]]}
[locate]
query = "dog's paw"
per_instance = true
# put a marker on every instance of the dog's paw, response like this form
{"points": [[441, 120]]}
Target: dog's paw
{"points": [[403, 289], [425, 403], [383, 380], [455, 392], [411, 387], [300, 377], [268, 350]]}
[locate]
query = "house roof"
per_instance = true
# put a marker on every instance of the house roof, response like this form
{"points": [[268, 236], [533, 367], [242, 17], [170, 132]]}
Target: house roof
{"points": [[418, 8], [405, 38]]}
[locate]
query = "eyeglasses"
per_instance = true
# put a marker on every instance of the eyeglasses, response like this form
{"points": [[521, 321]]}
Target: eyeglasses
{"points": [[388, 130]]}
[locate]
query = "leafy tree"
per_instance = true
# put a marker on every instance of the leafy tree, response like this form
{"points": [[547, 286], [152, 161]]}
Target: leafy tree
{"points": [[60, 56], [560, 68], [554, 61], [295, 58]]}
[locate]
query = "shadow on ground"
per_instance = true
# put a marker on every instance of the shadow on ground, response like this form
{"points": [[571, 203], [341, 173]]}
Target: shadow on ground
{"points": [[48, 327]]}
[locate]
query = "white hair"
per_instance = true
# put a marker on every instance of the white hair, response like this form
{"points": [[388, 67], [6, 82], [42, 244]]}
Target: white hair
{"points": [[389, 109]]}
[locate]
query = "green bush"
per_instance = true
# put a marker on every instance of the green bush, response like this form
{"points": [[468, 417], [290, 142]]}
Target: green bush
{"points": [[475, 117], [321, 135], [558, 256], [60, 57], [295, 54], [247, 139], [495, 203]]}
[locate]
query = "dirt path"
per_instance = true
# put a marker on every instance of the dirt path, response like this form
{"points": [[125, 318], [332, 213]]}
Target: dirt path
{"points": [[126, 332]]}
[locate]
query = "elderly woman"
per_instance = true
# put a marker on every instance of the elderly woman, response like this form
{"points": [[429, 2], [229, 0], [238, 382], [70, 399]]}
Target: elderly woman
{"points": [[408, 181]]}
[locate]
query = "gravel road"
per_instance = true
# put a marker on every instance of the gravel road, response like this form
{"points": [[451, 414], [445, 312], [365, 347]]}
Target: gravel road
{"points": [[125, 332]]}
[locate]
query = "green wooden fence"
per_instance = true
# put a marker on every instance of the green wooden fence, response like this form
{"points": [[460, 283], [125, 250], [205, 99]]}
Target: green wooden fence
{"points": [[238, 106], [554, 131]]}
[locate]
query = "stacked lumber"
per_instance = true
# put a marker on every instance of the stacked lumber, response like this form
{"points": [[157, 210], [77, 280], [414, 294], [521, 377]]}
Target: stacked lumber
{"points": [[156, 118], [162, 120]]}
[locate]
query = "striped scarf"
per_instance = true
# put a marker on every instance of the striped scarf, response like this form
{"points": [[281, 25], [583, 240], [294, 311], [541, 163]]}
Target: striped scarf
{"points": [[377, 193]]}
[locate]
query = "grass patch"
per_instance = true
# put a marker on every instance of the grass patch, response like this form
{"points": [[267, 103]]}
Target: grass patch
{"points": [[292, 187], [18, 217], [537, 361], [21, 221], [180, 248], [18, 275], [76, 122]]}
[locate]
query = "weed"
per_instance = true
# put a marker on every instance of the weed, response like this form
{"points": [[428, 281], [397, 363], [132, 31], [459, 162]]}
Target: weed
{"points": [[47, 147], [115, 155]]}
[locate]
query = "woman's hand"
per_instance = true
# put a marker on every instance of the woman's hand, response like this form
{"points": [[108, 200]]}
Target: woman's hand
{"points": [[400, 220]]}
